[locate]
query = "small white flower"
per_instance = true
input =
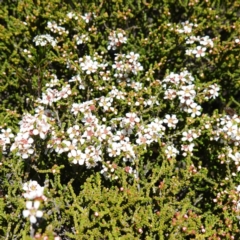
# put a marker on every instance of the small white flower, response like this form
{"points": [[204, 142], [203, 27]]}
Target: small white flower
{"points": [[32, 190], [131, 118], [132, 57], [32, 211], [171, 152], [194, 110], [87, 17], [199, 51], [105, 103], [213, 90], [171, 121], [6, 135], [189, 135], [206, 41]]}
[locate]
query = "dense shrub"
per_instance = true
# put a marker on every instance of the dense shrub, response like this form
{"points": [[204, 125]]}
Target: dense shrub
{"points": [[119, 119]]}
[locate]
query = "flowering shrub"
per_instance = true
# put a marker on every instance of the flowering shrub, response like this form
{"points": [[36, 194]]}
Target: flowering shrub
{"points": [[119, 120]]}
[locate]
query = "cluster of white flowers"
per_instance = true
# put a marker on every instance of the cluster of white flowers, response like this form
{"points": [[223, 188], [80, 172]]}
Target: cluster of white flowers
{"points": [[84, 144], [228, 130], [235, 157], [53, 95], [125, 64], [150, 133], [31, 126], [53, 27], [81, 39], [181, 86], [108, 170], [211, 92], [186, 27], [78, 79], [89, 142], [116, 39], [24, 144], [88, 64], [200, 50], [176, 79], [34, 196], [92, 139], [44, 39]]}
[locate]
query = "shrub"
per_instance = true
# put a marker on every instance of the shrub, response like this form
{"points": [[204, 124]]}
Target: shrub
{"points": [[119, 120]]}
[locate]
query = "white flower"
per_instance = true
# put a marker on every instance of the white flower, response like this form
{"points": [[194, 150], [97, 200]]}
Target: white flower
{"points": [[6, 135], [88, 65], [206, 41], [32, 211], [213, 90], [49, 97], [79, 158], [170, 94], [171, 151], [23, 143], [187, 149], [114, 149], [32, 190], [194, 110], [132, 57], [187, 91], [132, 118], [73, 131], [189, 135], [105, 103], [199, 51], [171, 121], [70, 147], [87, 17]]}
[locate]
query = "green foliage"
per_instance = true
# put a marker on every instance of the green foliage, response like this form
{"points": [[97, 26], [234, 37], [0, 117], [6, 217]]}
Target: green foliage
{"points": [[150, 195]]}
